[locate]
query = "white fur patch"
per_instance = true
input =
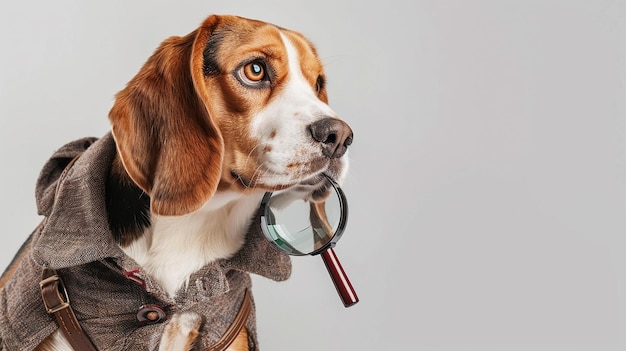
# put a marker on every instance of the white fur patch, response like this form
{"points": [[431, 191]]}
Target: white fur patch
{"points": [[281, 127], [181, 332], [55, 342], [175, 247]]}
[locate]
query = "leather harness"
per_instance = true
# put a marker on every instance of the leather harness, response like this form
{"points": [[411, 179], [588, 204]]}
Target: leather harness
{"points": [[57, 303]]}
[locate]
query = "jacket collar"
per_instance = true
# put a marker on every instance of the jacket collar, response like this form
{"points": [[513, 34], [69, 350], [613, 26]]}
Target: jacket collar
{"points": [[76, 229]]}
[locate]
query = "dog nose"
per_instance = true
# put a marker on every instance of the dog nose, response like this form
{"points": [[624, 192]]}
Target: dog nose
{"points": [[334, 134]]}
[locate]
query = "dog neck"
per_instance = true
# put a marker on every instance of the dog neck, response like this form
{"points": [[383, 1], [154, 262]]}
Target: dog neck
{"points": [[171, 248]]}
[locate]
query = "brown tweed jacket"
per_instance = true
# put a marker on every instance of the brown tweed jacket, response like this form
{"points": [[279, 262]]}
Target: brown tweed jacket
{"points": [[75, 239]]}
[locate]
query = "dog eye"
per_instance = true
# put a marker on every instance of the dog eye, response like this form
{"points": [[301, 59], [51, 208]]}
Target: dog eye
{"points": [[254, 71]]}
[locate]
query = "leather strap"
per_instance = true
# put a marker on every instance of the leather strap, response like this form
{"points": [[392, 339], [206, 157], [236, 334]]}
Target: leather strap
{"points": [[56, 300], [235, 328], [57, 303]]}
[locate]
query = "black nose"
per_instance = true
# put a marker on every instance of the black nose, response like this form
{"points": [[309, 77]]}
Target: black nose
{"points": [[335, 136]]}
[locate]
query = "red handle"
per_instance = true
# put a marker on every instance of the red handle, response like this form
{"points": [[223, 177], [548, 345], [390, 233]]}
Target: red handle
{"points": [[339, 277]]}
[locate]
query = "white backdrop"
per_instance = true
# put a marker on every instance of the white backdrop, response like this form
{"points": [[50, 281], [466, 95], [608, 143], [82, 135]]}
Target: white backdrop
{"points": [[488, 181]]}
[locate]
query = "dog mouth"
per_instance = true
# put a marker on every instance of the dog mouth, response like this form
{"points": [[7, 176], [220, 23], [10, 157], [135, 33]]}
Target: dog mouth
{"points": [[240, 179], [314, 180], [316, 188], [255, 183], [323, 189]]}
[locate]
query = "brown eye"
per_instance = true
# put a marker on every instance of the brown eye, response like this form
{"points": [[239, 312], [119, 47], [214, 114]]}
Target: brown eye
{"points": [[254, 71]]}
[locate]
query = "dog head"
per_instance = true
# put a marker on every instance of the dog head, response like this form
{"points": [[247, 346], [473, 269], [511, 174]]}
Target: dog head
{"points": [[237, 104]]}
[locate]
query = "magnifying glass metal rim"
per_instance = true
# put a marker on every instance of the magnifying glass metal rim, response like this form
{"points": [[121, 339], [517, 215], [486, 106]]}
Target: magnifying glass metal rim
{"points": [[338, 275], [343, 219]]}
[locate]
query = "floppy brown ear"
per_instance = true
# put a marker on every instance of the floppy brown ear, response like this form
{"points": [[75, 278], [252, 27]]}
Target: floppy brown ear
{"points": [[163, 128]]}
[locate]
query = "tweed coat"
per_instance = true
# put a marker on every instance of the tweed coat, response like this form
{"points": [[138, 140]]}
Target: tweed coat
{"points": [[75, 240]]}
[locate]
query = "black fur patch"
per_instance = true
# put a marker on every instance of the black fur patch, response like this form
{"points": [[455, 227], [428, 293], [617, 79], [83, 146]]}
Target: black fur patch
{"points": [[210, 66], [128, 208], [19, 255]]}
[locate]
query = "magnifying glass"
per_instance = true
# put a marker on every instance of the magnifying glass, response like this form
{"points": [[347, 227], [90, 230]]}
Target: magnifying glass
{"points": [[299, 228]]}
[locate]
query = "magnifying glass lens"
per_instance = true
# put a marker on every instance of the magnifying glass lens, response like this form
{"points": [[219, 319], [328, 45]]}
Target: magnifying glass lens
{"points": [[299, 227]]}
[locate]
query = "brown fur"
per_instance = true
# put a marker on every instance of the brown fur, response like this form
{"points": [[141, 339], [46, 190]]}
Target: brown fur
{"points": [[202, 119], [180, 131], [318, 218], [160, 106]]}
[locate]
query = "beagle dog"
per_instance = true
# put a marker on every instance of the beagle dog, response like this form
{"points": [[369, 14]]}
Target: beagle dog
{"points": [[211, 122]]}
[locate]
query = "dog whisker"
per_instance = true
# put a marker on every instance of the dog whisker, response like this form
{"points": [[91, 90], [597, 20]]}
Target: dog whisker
{"points": [[257, 175]]}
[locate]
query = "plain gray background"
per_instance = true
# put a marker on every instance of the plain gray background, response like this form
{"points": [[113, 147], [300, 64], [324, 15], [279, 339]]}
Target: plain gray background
{"points": [[488, 181]]}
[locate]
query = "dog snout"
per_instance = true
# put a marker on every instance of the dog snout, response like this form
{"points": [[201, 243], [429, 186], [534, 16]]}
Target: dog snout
{"points": [[333, 134]]}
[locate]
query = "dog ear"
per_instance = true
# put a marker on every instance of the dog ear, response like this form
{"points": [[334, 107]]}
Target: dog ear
{"points": [[165, 133]]}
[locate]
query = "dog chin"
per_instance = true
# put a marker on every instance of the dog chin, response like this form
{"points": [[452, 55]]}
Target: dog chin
{"points": [[314, 186], [317, 188], [322, 193]]}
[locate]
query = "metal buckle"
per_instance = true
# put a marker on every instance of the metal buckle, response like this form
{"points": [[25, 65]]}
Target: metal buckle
{"points": [[59, 287]]}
